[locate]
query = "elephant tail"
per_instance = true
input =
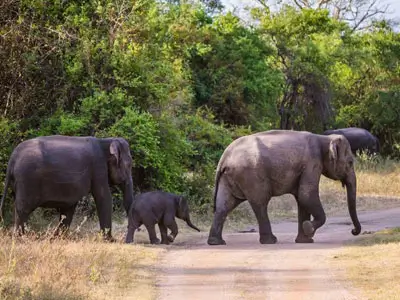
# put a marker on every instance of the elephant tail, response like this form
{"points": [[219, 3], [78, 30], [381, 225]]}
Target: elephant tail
{"points": [[6, 185], [217, 177]]}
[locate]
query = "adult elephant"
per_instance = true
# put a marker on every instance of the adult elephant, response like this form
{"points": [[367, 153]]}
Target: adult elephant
{"points": [[272, 163], [57, 171], [360, 139]]}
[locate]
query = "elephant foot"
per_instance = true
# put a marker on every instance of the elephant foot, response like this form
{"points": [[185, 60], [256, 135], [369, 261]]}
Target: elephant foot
{"points": [[171, 238], [268, 239], [308, 229], [213, 241], [164, 242], [301, 239], [155, 241]]}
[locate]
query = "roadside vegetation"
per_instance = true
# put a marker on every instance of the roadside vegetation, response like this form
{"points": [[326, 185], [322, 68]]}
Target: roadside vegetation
{"points": [[80, 266], [372, 265]]}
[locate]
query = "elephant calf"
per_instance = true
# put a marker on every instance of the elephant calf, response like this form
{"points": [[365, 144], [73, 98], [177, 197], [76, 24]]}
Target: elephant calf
{"points": [[160, 208]]}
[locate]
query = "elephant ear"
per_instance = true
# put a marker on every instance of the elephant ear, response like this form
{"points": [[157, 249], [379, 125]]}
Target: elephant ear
{"points": [[114, 150], [333, 152]]}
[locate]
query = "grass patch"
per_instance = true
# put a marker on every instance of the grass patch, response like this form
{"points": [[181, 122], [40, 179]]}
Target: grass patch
{"points": [[372, 264], [33, 267]]}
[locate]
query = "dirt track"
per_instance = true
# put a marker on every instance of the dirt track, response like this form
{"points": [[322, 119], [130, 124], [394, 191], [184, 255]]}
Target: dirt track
{"points": [[245, 269]]}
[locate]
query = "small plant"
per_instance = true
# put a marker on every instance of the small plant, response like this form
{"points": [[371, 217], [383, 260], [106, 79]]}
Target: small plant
{"points": [[374, 163], [95, 274]]}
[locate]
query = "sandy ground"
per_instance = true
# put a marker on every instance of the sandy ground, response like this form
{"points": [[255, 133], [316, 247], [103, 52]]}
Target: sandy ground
{"points": [[245, 269]]}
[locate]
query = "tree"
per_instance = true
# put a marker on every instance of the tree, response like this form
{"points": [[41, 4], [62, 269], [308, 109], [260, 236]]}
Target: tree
{"points": [[360, 14], [233, 76], [307, 44]]}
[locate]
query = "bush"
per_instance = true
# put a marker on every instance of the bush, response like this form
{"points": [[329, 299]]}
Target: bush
{"points": [[8, 140], [374, 163]]}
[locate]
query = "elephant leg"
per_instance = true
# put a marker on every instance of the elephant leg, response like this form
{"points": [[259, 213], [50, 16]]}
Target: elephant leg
{"points": [[308, 198], [171, 224], [65, 220], [152, 233], [260, 209], [303, 215], [132, 226], [225, 203], [20, 217], [163, 232], [103, 199]]}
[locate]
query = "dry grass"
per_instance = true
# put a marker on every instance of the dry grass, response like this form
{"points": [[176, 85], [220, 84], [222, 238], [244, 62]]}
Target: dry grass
{"points": [[373, 265], [80, 267]]}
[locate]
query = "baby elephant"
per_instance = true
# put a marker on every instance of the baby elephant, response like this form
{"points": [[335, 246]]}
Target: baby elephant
{"points": [[160, 208]]}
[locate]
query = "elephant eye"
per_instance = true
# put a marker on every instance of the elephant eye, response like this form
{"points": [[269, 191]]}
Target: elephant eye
{"points": [[350, 163]]}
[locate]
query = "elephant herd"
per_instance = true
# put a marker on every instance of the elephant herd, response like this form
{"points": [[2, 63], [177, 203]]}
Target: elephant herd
{"points": [[57, 171]]}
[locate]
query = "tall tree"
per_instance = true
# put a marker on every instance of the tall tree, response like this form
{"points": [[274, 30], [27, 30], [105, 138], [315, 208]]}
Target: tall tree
{"points": [[307, 43], [360, 14]]}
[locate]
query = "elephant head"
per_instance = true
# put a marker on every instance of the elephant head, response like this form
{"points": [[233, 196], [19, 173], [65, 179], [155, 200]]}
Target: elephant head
{"points": [[120, 169], [339, 165], [182, 212]]}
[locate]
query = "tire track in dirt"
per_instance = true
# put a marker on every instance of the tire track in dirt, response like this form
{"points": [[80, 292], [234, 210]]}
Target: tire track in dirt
{"points": [[245, 269]]}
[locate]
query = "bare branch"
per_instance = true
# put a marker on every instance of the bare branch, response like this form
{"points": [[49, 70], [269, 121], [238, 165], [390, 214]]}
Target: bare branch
{"points": [[263, 3], [356, 12], [298, 4], [321, 3]]}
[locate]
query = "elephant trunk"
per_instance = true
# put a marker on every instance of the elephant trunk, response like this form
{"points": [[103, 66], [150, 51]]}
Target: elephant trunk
{"points": [[127, 189], [190, 224], [351, 187]]}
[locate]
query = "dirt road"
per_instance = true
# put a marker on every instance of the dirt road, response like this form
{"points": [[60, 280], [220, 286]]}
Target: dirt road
{"points": [[244, 269]]}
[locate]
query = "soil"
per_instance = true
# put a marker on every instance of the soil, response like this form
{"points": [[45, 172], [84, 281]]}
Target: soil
{"points": [[245, 269]]}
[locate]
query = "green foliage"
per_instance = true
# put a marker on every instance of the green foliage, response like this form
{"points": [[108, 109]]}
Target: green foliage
{"points": [[233, 76], [208, 139], [8, 135], [141, 131]]}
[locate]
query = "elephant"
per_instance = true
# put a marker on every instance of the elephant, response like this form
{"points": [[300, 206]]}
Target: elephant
{"points": [[259, 166], [360, 139], [57, 171], [158, 207]]}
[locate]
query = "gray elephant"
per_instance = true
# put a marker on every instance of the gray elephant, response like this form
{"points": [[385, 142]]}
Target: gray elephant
{"points": [[360, 139], [158, 207], [57, 171], [272, 163]]}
